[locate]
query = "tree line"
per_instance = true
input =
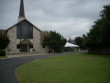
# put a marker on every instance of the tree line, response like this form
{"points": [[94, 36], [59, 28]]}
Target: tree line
{"points": [[99, 35]]}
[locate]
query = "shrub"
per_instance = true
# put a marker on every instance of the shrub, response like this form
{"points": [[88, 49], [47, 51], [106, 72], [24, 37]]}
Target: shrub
{"points": [[4, 41], [2, 53]]}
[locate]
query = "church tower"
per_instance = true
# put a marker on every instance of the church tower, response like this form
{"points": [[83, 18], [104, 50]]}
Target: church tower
{"points": [[21, 12]]}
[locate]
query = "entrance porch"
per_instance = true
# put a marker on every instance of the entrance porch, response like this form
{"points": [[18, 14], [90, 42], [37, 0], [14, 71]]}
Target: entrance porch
{"points": [[25, 46]]}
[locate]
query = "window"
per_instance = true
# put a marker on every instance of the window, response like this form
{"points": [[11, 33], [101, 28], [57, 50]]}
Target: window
{"points": [[31, 46], [18, 46], [24, 30]]}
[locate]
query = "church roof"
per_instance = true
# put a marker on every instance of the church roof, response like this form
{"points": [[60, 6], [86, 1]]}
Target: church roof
{"points": [[21, 11], [22, 21]]}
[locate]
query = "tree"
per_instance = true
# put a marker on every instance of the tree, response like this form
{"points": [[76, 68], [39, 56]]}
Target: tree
{"points": [[98, 35], [71, 41], [80, 41], [4, 41], [55, 41]]}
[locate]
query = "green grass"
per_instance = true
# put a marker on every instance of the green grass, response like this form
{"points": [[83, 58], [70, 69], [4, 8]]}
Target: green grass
{"points": [[77, 68], [2, 57]]}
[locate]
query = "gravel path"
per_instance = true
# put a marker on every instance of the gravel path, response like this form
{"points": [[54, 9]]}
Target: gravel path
{"points": [[8, 66]]}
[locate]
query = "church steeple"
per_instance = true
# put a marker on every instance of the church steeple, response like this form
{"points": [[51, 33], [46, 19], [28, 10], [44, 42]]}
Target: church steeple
{"points": [[21, 11]]}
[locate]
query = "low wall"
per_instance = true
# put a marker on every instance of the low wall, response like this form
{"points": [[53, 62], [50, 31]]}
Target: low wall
{"points": [[99, 50]]}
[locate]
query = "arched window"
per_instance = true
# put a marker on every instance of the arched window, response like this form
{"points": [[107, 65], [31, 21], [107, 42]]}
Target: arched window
{"points": [[24, 30]]}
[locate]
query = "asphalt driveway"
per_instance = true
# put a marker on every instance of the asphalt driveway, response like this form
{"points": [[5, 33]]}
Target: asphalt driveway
{"points": [[8, 66]]}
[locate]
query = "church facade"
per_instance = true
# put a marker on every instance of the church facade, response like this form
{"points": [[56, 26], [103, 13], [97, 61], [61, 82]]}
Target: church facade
{"points": [[24, 36]]}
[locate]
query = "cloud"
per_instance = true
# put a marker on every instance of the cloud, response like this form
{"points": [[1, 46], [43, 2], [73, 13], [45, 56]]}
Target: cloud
{"points": [[71, 18]]}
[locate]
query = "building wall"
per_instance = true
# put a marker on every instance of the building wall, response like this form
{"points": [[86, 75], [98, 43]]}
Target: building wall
{"points": [[37, 46], [11, 33], [20, 19]]}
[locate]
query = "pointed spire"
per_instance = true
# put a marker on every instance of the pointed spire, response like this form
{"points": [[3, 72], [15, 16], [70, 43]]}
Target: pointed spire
{"points": [[21, 11]]}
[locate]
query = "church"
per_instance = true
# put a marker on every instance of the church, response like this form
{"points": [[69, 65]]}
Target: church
{"points": [[24, 36]]}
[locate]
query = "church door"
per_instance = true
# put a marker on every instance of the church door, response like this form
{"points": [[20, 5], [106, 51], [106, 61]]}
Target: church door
{"points": [[24, 48]]}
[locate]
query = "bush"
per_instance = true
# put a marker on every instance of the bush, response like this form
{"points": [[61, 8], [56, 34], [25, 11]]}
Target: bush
{"points": [[4, 41], [2, 53], [58, 50]]}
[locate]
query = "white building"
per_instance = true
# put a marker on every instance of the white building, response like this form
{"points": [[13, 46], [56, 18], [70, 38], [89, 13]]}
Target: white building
{"points": [[24, 36], [71, 47]]}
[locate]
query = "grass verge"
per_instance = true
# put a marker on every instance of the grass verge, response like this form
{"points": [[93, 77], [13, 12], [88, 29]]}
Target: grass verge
{"points": [[77, 68], [2, 57]]}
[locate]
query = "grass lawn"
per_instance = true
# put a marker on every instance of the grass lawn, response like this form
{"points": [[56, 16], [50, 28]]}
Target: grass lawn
{"points": [[2, 56], [76, 68]]}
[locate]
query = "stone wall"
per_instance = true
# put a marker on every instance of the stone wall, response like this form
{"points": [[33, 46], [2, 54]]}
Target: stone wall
{"points": [[36, 41], [12, 48], [37, 46]]}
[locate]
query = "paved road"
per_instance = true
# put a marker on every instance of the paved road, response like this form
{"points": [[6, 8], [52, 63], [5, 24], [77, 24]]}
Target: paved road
{"points": [[8, 66]]}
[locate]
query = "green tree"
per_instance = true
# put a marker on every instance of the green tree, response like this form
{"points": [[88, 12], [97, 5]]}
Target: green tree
{"points": [[100, 31], [4, 41], [79, 41], [55, 41]]}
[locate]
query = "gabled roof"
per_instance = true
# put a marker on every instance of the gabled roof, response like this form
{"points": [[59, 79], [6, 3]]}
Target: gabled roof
{"points": [[22, 21]]}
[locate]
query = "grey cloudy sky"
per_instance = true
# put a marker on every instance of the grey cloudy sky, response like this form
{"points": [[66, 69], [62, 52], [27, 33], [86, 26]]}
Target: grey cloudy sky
{"points": [[71, 18]]}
